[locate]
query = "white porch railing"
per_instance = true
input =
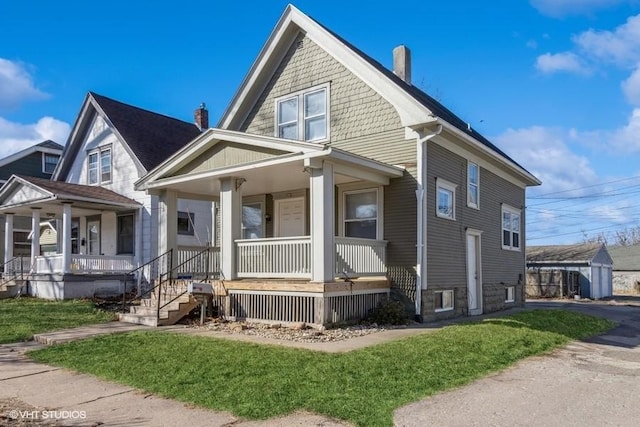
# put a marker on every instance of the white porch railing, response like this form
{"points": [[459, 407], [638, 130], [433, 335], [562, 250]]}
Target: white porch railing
{"points": [[360, 257], [280, 257], [290, 257], [89, 264], [190, 263]]}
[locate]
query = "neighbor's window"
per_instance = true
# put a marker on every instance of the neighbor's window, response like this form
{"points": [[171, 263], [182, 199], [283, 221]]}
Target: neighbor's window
{"points": [[443, 300], [126, 233], [509, 294], [49, 162], [99, 166], [303, 116], [445, 199], [185, 223], [361, 214], [252, 221], [510, 228], [473, 185]]}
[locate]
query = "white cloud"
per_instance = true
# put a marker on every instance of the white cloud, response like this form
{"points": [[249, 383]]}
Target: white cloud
{"points": [[16, 85], [565, 61], [17, 136], [631, 87], [560, 8], [545, 153], [620, 46], [623, 140]]}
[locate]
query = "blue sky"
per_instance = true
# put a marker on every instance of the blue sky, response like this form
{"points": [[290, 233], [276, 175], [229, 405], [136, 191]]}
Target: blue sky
{"points": [[554, 83]]}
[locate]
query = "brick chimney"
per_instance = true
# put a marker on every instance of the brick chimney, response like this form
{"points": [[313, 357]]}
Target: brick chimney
{"points": [[402, 63], [201, 116]]}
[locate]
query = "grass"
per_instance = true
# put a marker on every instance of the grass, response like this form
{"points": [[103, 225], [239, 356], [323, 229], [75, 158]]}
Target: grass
{"points": [[363, 387], [21, 318]]}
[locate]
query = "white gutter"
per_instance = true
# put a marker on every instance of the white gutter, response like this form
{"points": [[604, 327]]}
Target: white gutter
{"points": [[421, 237]]}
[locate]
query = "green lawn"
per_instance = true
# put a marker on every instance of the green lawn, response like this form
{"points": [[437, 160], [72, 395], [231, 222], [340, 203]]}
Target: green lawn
{"points": [[21, 318], [363, 387]]}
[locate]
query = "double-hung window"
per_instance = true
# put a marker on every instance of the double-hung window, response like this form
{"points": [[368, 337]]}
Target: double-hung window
{"points": [[252, 221], [361, 214], [445, 199], [473, 185], [303, 116], [49, 162], [186, 221], [99, 166], [510, 228]]}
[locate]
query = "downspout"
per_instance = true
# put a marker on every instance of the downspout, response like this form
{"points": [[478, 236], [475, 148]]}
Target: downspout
{"points": [[421, 238]]}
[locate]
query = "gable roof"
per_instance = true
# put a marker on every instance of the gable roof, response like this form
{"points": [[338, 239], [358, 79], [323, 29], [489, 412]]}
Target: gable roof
{"points": [[151, 137], [565, 254], [417, 110], [47, 146], [625, 258], [44, 191]]}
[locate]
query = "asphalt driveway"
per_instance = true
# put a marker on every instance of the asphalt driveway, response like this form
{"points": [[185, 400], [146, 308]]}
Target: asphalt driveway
{"points": [[594, 383]]}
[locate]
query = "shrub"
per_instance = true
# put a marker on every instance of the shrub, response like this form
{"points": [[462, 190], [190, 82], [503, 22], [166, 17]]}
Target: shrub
{"points": [[388, 312]]}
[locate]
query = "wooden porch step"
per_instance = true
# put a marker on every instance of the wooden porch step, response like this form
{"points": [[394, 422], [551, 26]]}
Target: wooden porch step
{"points": [[146, 312]]}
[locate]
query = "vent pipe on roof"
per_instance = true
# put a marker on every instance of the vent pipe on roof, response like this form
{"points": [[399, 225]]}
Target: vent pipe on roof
{"points": [[402, 63], [201, 116]]}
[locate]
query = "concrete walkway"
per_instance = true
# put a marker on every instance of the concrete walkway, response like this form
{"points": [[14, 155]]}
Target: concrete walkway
{"points": [[584, 384]]}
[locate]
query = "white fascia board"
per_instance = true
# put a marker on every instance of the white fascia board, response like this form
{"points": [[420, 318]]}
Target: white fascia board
{"points": [[213, 136], [73, 136], [522, 174], [29, 150], [15, 181], [378, 167], [26, 203]]}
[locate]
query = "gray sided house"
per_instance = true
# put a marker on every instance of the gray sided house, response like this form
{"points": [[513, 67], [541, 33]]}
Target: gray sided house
{"points": [[340, 182], [100, 226], [591, 261], [626, 269], [39, 160]]}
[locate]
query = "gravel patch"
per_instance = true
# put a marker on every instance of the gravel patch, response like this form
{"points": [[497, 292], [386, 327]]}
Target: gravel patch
{"points": [[298, 332]]}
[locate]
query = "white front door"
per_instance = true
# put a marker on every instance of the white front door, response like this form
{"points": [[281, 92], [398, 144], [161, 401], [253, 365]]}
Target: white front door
{"points": [[93, 237], [474, 274], [290, 217]]}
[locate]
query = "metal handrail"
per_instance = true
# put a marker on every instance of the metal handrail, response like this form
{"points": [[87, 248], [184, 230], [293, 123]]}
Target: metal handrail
{"points": [[137, 270], [13, 275]]}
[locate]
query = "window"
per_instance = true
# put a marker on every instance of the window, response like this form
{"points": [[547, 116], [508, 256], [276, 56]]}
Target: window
{"points": [[303, 116], [473, 186], [361, 214], [21, 243], [49, 162], [443, 300], [509, 294], [126, 233], [75, 232], [252, 221], [185, 223], [510, 228], [445, 199], [99, 166]]}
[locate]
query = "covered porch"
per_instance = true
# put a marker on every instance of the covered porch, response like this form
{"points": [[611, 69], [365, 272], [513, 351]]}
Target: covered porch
{"points": [[91, 234], [295, 221]]}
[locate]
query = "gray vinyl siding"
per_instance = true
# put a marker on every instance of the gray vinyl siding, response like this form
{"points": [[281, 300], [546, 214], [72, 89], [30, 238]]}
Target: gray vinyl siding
{"points": [[30, 165], [446, 241], [363, 123]]}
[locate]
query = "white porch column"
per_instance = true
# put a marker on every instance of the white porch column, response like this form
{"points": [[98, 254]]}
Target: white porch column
{"points": [[35, 233], [322, 223], [8, 238], [231, 224], [66, 237], [168, 224]]}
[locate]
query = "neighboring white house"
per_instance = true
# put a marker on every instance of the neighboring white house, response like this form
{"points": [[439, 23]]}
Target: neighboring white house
{"points": [[105, 227]]}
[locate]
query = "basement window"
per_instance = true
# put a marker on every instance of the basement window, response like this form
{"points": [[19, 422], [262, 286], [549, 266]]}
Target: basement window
{"points": [[443, 300], [509, 294]]}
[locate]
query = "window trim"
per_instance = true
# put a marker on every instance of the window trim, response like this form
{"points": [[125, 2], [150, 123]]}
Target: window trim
{"points": [[98, 152], [510, 294], [300, 96], [347, 189], [469, 184], [511, 210], [191, 221], [447, 186], [443, 308], [44, 163]]}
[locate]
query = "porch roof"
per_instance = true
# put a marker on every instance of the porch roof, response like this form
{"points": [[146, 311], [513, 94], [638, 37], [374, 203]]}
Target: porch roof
{"points": [[20, 194], [282, 170]]}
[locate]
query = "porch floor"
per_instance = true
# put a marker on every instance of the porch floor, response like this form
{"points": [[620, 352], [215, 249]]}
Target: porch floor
{"points": [[301, 285]]}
